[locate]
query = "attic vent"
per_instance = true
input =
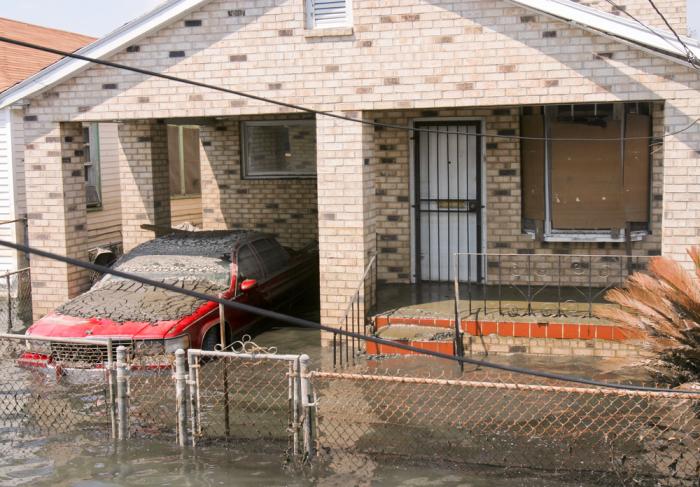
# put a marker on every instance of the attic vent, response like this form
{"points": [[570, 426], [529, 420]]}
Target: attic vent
{"points": [[328, 13]]}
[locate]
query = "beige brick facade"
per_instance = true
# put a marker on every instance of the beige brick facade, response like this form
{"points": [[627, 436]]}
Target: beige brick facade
{"points": [[473, 58]]}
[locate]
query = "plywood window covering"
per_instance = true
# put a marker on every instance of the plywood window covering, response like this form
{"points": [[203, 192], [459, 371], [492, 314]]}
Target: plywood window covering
{"points": [[595, 184], [91, 151], [183, 156]]}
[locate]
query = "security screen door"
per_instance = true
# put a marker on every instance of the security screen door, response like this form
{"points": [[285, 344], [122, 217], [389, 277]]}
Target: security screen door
{"points": [[448, 200]]}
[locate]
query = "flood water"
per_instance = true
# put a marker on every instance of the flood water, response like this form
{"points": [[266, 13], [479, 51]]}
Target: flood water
{"points": [[86, 460]]}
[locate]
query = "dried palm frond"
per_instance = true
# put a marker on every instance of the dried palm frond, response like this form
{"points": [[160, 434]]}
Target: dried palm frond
{"points": [[664, 304]]}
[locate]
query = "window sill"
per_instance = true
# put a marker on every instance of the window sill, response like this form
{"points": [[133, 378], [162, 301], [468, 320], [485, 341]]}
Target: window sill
{"points": [[92, 209], [185, 196], [328, 32], [562, 237]]}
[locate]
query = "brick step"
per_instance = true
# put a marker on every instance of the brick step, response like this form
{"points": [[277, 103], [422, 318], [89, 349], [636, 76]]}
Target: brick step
{"points": [[515, 328]]}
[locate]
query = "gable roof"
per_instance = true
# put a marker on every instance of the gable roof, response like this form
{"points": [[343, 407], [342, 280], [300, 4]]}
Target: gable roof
{"points": [[18, 63], [655, 41]]}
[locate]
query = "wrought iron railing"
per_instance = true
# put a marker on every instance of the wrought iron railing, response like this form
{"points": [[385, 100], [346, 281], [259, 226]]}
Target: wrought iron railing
{"points": [[547, 285], [357, 316]]}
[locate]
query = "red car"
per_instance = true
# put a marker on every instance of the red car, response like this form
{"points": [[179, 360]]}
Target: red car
{"points": [[243, 266]]}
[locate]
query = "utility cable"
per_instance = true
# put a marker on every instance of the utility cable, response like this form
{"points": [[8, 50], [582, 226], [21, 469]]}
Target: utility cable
{"points": [[265, 313], [301, 108], [692, 59]]}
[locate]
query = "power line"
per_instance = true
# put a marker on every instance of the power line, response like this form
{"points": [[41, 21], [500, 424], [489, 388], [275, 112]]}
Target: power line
{"points": [[301, 108], [692, 59], [265, 313]]}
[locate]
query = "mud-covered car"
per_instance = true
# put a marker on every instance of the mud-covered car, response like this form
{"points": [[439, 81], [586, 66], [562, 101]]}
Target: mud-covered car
{"points": [[243, 266]]}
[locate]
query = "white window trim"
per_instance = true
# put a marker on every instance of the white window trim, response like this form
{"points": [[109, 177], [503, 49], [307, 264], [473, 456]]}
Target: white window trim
{"points": [[311, 123], [311, 21], [93, 145], [561, 236]]}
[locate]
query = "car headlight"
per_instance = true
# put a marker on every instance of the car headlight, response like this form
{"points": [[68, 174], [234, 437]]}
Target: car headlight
{"points": [[173, 344], [148, 347], [39, 346]]}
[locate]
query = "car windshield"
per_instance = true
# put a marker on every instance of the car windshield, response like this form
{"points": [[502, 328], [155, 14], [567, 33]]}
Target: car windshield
{"points": [[177, 268]]}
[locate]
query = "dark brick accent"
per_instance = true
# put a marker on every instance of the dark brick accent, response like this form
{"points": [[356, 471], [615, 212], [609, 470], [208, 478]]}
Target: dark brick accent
{"points": [[236, 13], [274, 86], [492, 264], [551, 83], [79, 153], [83, 109], [394, 269], [410, 17], [133, 49], [31, 118], [526, 19], [80, 227], [110, 86], [393, 218], [144, 99], [517, 349], [548, 34], [507, 172], [391, 81], [285, 33], [35, 216], [143, 139], [242, 191], [387, 160], [499, 112], [327, 216], [206, 143], [658, 197], [366, 44], [506, 132], [77, 173], [380, 192], [229, 172], [238, 58], [388, 250], [196, 98], [445, 40], [501, 192], [363, 90], [37, 167], [603, 55], [387, 147], [208, 211], [501, 245], [525, 251], [237, 103], [221, 128], [507, 68], [193, 23], [654, 252], [53, 140], [332, 68], [402, 199], [465, 86], [53, 153], [389, 238], [272, 206], [279, 220], [66, 160], [491, 145], [176, 54], [386, 19]]}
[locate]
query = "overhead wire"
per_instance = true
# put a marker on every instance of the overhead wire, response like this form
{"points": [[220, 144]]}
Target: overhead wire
{"points": [[338, 116], [692, 59], [266, 313]]}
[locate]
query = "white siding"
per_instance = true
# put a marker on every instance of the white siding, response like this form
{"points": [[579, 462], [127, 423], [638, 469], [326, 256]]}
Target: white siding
{"points": [[8, 258], [105, 224]]}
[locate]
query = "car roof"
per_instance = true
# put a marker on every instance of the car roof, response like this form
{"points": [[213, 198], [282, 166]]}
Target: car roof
{"points": [[207, 244]]}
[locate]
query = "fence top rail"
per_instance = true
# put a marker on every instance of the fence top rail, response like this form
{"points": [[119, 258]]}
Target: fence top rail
{"points": [[569, 256], [504, 385], [79, 341], [245, 356], [12, 273]]}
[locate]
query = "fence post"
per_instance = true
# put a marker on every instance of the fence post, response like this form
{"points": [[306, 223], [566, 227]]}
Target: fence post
{"points": [[122, 393], [194, 395], [180, 397], [307, 406], [9, 303], [111, 382]]}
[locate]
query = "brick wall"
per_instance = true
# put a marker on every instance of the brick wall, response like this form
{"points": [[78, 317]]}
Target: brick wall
{"points": [[284, 207], [675, 11], [401, 55]]}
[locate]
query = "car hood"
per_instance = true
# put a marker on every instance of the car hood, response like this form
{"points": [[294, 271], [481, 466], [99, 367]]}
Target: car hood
{"points": [[60, 326]]}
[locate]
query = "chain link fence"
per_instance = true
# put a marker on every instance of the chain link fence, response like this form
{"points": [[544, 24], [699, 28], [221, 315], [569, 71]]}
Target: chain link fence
{"points": [[15, 300], [581, 433]]}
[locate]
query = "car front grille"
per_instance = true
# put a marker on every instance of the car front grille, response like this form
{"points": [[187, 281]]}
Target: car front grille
{"points": [[82, 355]]}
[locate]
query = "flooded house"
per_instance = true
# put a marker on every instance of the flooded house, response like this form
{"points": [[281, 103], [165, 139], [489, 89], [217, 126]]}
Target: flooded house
{"points": [[530, 153]]}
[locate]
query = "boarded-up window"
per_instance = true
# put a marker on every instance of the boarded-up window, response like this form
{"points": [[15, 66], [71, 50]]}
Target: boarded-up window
{"points": [[586, 167], [183, 155]]}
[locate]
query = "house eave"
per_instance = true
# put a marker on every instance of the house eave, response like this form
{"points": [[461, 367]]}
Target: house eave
{"points": [[104, 47]]}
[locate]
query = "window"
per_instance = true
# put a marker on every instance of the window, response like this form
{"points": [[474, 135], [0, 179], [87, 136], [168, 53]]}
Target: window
{"points": [[273, 256], [183, 156], [328, 13], [595, 185], [91, 151], [279, 149], [248, 267]]}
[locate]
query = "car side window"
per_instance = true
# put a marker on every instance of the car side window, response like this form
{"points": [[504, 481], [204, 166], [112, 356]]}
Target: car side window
{"points": [[248, 267], [273, 256]]}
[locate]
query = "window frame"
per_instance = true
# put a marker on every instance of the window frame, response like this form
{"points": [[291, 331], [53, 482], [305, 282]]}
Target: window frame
{"points": [[245, 171], [311, 21], [91, 147], [551, 234]]}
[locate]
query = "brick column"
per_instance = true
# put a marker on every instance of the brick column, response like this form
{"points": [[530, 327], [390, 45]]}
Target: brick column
{"points": [[55, 182], [346, 211], [145, 186]]}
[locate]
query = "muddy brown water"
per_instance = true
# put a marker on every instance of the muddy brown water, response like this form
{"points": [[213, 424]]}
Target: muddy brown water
{"points": [[87, 460]]}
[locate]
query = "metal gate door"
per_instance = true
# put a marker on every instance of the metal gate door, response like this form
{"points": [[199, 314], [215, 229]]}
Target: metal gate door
{"points": [[448, 200]]}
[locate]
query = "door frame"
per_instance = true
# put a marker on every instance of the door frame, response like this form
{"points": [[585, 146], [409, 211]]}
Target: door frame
{"points": [[481, 188]]}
